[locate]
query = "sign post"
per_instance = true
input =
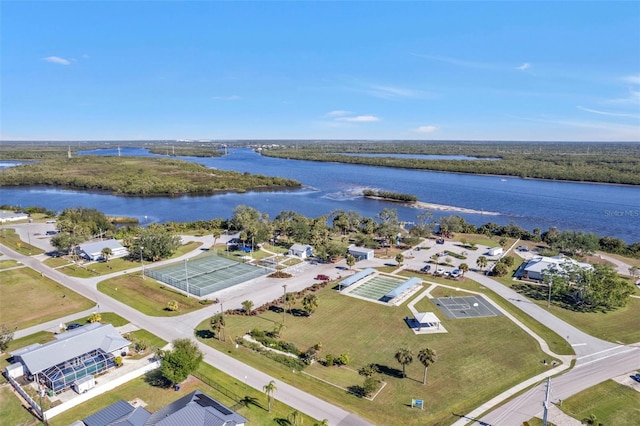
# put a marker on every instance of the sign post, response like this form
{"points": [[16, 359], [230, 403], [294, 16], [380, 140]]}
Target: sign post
{"points": [[418, 403]]}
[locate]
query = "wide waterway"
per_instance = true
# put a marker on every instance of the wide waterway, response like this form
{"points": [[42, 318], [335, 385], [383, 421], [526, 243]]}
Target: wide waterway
{"points": [[604, 209]]}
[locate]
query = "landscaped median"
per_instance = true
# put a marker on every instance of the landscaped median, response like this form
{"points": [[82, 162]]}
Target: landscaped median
{"points": [[366, 333]]}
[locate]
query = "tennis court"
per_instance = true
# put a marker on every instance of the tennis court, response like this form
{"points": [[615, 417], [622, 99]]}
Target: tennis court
{"points": [[375, 288], [206, 275], [466, 307]]}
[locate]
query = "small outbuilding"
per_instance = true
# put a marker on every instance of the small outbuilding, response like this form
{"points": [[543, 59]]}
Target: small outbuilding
{"points": [[9, 216], [361, 253], [495, 251], [301, 250], [427, 319]]}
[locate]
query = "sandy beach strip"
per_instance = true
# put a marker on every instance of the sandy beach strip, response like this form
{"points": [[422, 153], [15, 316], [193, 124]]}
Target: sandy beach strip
{"points": [[431, 206]]}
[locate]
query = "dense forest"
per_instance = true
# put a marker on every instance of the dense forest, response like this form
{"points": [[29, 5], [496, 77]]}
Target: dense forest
{"points": [[137, 176], [583, 162]]}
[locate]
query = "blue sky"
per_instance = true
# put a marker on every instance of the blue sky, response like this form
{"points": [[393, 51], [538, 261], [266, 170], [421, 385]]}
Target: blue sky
{"points": [[542, 70]]}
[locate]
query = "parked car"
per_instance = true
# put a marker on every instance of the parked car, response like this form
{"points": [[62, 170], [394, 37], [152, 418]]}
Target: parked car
{"points": [[636, 377], [439, 271], [522, 248], [440, 241], [73, 326], [455, 273], [323, 277], [426, 268]]}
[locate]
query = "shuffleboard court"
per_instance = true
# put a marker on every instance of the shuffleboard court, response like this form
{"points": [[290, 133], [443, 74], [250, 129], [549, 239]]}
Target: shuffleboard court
{"points": [[466, 307], [203, 276], [380, 288]]}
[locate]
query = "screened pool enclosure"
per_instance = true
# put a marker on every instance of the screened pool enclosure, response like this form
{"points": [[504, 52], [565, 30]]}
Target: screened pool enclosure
{"points": [[62, 376]]}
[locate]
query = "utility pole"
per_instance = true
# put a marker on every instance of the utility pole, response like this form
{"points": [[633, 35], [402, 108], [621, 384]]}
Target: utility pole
{"points": [[545, 404], [141, 262], [284, 302], [186, 275]]}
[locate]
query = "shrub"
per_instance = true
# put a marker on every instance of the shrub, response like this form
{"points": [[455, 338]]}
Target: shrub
{"points": [[172, 305], [95, 317], [370, 385], [329, 360]]}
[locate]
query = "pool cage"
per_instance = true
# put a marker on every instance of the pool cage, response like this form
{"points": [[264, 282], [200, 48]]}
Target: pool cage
{"points": [[62, 376]]}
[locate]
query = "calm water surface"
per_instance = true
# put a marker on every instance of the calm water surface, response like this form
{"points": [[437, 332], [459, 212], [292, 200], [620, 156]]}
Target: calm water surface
{"points": [[604, 209]]}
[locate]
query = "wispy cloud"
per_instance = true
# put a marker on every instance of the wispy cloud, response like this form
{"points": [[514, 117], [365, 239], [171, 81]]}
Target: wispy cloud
{"points": [[359, 119], [226, 98], [391, 92], [425, 129], [338, 113], [612, 114], [57, 60], [524, 66], [632, 79], [633, 98], [458, 62]]}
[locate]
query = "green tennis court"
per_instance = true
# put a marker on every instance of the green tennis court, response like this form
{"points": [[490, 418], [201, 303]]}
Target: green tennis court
{"points": [[206, 275]]}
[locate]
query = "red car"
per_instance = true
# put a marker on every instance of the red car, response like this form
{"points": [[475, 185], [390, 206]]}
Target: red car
{"points": [[323, 277]]}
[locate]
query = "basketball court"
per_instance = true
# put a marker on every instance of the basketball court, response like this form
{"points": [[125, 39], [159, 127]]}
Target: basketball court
{"points": [[205, 275], [466, 307]]}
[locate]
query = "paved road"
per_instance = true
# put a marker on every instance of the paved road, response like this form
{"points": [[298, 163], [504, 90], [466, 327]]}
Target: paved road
{"points": [[596, 361], [183, 326]]}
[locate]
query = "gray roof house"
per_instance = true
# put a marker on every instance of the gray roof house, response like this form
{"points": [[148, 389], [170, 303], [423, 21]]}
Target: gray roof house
{"points": [[194, 409], [537, 266], [361, 253], [93, 251], [301, 250], [73, 355]]}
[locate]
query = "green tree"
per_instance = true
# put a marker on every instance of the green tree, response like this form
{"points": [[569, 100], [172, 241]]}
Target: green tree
{"points": [[482, 262], [182, 360], [295, 418], [269, 389], [310, 303], [404, 356], [247, 307], [6, 336], [500, 269], [464, 268], [289, 301], [155, 242], [370, 385], [351, 260], [427, 357], [399, 259], [217, 323], [106, 253]]}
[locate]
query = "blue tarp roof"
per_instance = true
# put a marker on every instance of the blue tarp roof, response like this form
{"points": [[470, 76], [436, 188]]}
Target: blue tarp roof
{"points": [[356, 277], [402, 287]]}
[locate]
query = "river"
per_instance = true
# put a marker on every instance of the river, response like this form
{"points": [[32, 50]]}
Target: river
{"points": [[612, 210]]}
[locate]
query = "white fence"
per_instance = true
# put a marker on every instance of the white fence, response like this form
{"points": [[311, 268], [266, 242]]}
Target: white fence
{"points": [[25, 395]]}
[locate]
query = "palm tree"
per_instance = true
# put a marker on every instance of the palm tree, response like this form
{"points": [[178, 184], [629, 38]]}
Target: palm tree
{"points": [[427, 357], [289, 300], [106, 253], [592, 420], [216, 235], [482, 262], [247, 306], [310, 303], [324, 422], [269, 389], [217, 324], [464, 268], [295, 418], [405, 357]]}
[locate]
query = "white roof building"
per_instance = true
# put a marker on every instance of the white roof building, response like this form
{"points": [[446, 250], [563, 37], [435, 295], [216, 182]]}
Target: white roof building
{"points": [[537, 266], [301, 250], [93, 251]]}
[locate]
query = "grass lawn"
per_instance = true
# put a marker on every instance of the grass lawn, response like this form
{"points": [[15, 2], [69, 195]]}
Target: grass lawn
{"points": [[55, 262], [611, 402], [482, 240], [13, 413], [628, 260], [556, 343], [152, 340], [227, 390], [148, 296], [29, 298], [106, 318], [9, 238], [462, 379], [6, 264]]}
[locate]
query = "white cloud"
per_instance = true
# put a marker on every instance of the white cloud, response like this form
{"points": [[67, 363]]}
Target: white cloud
{"points": [[613, 114], [633, 98], [226, 98], [632, 79], [425, 129], [56, 60], [338, 113], [390, 92], [359, 119], [524, 66]]}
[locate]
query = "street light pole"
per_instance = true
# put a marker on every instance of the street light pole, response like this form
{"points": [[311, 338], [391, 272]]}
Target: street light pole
{"points": [[284, 301], [141, 262], [186, 275]]}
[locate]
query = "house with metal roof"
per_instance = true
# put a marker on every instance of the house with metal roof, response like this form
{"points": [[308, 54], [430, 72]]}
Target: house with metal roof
{"points": [[539, 265], [301, 250], [75, 354], [93, 251], [361, 253], [9, 216], [194, 409]]}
